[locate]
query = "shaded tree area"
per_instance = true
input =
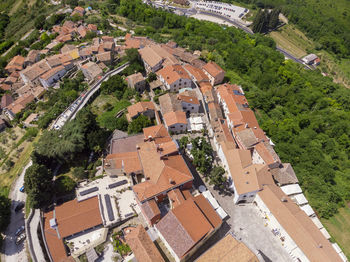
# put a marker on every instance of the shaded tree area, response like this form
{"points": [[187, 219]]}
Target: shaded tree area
{"points": [[305, 114], [79, 136], [38, 185], [138, 124], [266, 20], [5, 212], [136, 64]]}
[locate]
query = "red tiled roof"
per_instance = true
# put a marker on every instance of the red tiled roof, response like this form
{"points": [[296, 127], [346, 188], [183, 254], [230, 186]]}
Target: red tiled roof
{"points": [[140, 107], [187, 224], [173, 118], [213, 69], [141, 244], [173, 73], [72, 217], [162, 172]]}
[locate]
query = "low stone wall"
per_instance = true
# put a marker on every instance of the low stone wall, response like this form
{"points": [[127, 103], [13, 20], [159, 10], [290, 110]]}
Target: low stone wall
{"points": [[29, 236]]}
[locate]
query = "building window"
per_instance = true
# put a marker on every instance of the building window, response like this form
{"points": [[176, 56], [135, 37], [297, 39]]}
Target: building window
{"points": [[244, 196], [251, 196]]}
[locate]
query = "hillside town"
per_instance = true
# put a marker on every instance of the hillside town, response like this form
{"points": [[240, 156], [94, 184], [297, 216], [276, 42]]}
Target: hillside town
{"points": [[150, 199]]}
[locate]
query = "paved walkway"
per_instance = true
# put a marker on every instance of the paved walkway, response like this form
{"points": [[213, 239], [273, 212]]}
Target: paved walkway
{"points": [[247, 225], [13, 252], [33, 227]]}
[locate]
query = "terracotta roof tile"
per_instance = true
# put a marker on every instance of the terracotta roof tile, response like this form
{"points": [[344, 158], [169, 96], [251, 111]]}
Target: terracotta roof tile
{"points": [[128, 162], [162, 172], [142, 246], [158, 133], [72, 217], [188, 99], [185, 226], [228, 249], [244, 173], [213, 69], [139, 108], [298, 225], [173, 118], [169, 103], [197, 74], [173, 73]]}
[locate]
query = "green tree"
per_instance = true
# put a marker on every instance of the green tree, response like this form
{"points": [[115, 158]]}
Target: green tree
{"points": [[38, 185], [217, 177], [138, 124], [114, 84], [5, 212], [79, 173], [151, 77], [39, 21], [274, 18], [184, 141]]}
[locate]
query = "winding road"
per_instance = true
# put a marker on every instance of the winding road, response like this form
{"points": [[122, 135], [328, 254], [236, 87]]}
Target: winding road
{"points": [[12, 252]]}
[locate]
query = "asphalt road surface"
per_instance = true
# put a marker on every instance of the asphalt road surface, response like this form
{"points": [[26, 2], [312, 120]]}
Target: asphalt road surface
{"points": [[13, 252]]}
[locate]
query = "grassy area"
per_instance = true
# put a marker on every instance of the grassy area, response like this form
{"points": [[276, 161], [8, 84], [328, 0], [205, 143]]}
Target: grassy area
{"points": [[339, 70], [100, 101], [295, 42], [338, 227], [27, 208], [292, 40], [6, 179], [109, 114]]}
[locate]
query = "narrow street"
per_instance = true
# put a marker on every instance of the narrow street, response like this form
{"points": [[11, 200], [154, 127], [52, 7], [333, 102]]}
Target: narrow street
{"points": [[13, 252]]}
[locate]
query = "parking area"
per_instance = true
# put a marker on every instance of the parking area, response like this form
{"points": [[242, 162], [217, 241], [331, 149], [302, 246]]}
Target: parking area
{"points": [[228, 10]]}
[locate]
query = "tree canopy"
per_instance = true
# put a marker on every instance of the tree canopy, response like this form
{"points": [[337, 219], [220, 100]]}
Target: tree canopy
{"points": [[38, 185], [5, 212]]}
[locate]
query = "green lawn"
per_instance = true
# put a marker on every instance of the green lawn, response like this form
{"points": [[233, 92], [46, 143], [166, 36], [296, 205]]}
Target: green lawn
{"points": [[292, 40], [100, 101], [103, 117], [338, 227]]}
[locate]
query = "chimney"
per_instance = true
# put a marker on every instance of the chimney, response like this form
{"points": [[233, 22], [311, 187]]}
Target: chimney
{"points": [[246, 125], [171, 181], [283, 199]]}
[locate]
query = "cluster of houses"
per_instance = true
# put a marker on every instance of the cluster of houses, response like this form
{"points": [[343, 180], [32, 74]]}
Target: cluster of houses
{"points": [[29, 77], [255, 172], [258, 176], [159, 181], [71, 30]]}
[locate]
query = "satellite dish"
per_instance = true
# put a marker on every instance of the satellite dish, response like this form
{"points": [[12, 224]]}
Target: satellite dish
{"points": [[202, 188]]}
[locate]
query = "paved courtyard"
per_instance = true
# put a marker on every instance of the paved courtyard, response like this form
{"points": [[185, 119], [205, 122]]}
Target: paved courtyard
{"points": [[248, 226]]}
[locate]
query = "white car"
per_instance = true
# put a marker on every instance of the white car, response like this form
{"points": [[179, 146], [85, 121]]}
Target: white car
{"points": [[20, 238]]}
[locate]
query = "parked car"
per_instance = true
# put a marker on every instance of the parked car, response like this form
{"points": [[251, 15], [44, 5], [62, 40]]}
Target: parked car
{"points": [[21, 189], [19, 230], [19, 207], [20, 238]]}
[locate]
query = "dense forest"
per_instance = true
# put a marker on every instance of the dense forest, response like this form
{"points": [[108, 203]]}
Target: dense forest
{"points": [[304, 113], [325, 21]]}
